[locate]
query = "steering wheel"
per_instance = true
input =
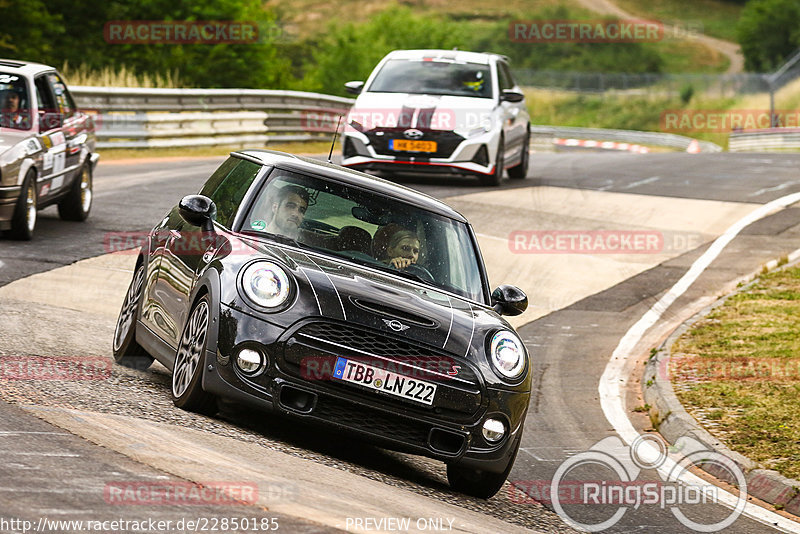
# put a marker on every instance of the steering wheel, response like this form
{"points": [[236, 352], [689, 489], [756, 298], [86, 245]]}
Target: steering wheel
{"points": [[420, 271]]}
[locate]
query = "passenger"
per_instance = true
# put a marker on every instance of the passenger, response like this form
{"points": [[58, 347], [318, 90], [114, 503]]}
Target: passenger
{"points": [[288, 211], [396, 246]]}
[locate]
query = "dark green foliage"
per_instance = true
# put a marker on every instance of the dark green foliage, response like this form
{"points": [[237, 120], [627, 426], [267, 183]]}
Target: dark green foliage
{"points": [[69, 31], [62, 31], [350, 51], [768, 30]]}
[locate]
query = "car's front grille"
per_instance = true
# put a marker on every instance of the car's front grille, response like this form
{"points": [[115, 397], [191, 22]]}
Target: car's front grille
{"points": [[446, 143], [310, 353]]}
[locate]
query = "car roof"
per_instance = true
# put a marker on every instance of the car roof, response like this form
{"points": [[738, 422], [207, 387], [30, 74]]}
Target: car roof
{"points": [[482, 58], [25, 68], [338, 173]]}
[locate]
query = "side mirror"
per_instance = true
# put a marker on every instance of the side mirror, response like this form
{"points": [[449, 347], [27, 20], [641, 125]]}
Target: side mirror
{"points": [[50, 121], [509, 300], [354, 87], [199, 211], [511, 96]]}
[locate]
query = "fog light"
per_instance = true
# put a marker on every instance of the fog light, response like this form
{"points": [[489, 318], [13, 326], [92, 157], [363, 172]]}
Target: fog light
{"points": [[251, 362], [493, 430]]}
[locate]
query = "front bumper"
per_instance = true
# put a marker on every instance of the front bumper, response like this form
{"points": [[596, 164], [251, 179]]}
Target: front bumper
{"points": [[8, 203], [464, 157], [449, 435]]}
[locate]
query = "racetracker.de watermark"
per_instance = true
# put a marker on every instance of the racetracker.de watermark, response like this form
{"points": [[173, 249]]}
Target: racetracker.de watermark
{"points": [[420, 117], [585, 31], [726, 120], [703, 369], [414, 367], [171, 493], [585, 242], [184, 32], [54, 368]]}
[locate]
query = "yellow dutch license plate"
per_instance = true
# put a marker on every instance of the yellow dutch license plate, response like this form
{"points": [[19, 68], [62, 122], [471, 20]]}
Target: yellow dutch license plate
{"points": [[404, 145]]}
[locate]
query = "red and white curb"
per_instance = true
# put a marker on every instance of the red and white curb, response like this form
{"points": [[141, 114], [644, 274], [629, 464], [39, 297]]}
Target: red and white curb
{"points": [[603, 145], [692, 148]]}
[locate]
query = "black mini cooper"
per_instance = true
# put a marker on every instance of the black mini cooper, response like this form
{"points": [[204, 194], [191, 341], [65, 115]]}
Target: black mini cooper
{"points": [[332, 296]]}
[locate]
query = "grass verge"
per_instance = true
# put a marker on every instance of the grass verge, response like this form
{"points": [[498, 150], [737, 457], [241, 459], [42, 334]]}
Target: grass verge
{"points": [[711, 17], [738, 371]]}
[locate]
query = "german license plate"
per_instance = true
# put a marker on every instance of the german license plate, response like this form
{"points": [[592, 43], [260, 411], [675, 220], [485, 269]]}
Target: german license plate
{"points": [[383, 380], [404, 145]]}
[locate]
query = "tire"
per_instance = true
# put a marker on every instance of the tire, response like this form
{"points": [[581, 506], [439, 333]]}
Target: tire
{"points": [[24, 220], [495, 178], [78, 203], [187, 390], [127, 352], [520, 171], [477, 483]]}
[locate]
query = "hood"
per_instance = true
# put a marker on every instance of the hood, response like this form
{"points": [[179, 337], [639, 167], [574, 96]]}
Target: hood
{"points": [[348, 292], [423, 112], [10, 138]]}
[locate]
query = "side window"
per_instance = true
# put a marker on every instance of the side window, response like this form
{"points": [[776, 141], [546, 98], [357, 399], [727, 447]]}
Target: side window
{"points": [[228, 185], [64, 100], [43, 96]]}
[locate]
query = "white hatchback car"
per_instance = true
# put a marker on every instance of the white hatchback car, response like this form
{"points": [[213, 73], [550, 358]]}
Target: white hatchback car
{"points": [[439, 111]]}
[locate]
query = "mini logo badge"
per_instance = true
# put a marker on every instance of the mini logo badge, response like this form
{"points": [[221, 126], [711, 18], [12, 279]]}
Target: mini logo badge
{"points": [[413, 133], [395, 325]]}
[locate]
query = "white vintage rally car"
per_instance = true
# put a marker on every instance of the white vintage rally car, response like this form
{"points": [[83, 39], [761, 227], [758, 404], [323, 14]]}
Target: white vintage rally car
{"points": [[46, 148]]}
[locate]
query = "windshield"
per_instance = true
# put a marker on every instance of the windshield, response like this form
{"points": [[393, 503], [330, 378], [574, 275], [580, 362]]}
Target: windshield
{"points": [[14, 102], [367, 228], [431, 77]]}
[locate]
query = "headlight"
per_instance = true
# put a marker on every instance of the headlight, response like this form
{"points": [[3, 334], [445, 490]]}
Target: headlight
{"points": [[507, 354], [266, 284]]}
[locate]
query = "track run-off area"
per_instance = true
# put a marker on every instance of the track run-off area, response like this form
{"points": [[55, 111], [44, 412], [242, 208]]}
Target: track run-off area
{"points": [[614, 250]]}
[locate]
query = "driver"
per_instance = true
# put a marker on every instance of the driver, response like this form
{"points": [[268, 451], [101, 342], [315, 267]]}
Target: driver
{"points": [[400, 249], [472, 81], [13, 117], [288, 211]]}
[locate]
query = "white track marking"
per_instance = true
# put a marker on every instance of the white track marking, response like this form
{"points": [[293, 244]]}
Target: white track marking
{"points": [[614, 381], [642, 182], [774, 188]]}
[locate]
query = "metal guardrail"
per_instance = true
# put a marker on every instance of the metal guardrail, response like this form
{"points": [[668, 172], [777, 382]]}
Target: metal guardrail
{"points": [[149, 118], [768, 140], [678, 142]]}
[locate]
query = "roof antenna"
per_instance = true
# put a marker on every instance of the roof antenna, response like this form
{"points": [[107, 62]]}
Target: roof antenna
{"points": [[338, 121]]}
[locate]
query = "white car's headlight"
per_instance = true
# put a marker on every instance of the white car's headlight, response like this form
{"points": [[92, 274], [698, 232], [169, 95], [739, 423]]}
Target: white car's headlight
{"points": [[507, 354], [266, 284]]}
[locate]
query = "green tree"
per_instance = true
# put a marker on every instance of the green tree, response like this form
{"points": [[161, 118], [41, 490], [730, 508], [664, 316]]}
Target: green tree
{"points": [[768, 31], [25, 29], [64, 30], [350, 51]]}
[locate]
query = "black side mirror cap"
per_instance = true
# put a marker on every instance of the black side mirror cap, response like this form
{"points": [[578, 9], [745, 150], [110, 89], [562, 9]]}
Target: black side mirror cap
{"points": [[509, 300], [198, 210], [511, 96], [354, 87]]}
